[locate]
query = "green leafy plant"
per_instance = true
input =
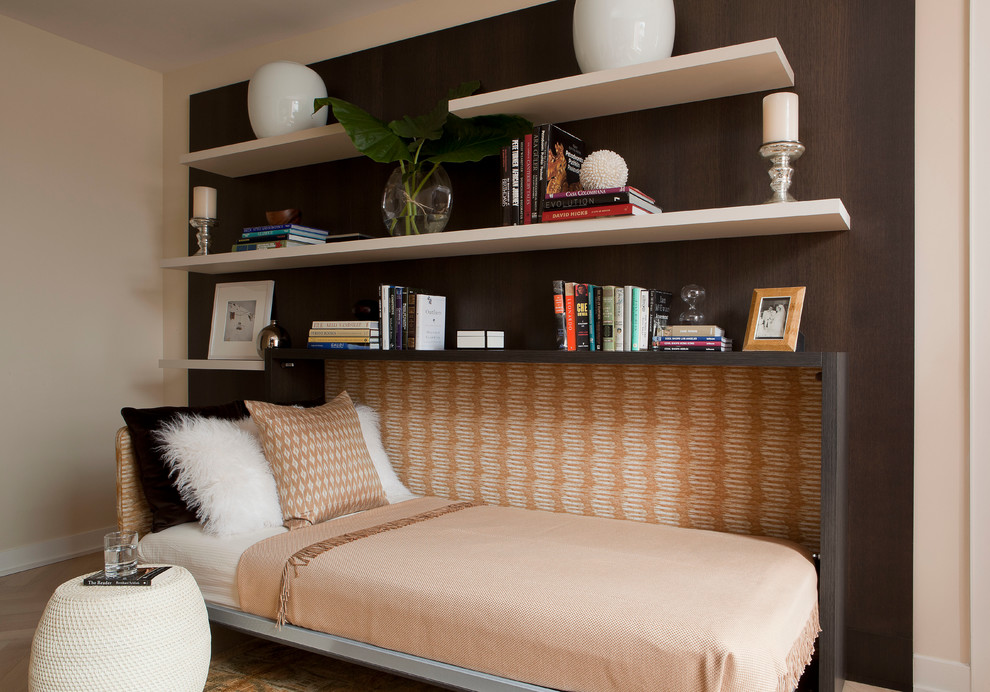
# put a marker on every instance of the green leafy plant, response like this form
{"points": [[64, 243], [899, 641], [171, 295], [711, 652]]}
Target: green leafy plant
{"points": [[420, 144]]}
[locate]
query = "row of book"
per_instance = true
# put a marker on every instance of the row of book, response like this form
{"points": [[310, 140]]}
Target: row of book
{"points": [[287, 235], [352, 335], [590, 317], [546, 162], [411, 319]]}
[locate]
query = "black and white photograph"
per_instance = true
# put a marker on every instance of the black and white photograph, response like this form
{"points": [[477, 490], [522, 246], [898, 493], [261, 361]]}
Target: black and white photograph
{"points": [[240, 311], [773, 318]]}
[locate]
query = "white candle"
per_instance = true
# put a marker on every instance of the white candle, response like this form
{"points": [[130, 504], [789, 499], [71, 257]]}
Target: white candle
{"points": [[780, 117], [204, 203]]}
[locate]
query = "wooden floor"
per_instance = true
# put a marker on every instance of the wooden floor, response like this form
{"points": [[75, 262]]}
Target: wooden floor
{"points": [[23, 597]]}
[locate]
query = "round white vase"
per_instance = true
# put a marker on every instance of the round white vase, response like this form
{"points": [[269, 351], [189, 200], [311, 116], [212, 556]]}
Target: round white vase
{"points": [[280, 99], [615, 33]]}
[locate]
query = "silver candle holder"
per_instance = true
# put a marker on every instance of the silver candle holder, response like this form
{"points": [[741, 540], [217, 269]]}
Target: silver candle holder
{"points": [[781, 154], [203, 226]]}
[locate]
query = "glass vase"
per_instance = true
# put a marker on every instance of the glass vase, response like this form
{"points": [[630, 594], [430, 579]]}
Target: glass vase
{"points": [[416, 200]]}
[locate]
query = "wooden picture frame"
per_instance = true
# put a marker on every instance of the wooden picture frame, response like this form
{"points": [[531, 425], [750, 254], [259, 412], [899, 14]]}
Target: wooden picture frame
{"points": [[774, 319], [240, 311]]}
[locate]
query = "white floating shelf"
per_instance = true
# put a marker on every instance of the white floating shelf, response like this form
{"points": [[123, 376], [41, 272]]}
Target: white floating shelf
{"points": [[741, 69], [302, 148], [728, 222], [186, 364]]}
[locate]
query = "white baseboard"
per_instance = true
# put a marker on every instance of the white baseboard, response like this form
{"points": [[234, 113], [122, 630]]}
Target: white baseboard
{"points": [[47, 552], [936, 675]]}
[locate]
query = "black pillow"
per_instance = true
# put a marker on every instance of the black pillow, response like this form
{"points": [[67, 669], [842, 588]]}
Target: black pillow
{"points": [[167, 507]]}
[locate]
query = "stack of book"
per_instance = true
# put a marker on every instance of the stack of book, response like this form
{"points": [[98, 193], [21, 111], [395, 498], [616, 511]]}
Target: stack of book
{"points": [[609, 318], [411, 319], [545, 162], [279, 235], [345, 334], [693, 337], [587, 204]]}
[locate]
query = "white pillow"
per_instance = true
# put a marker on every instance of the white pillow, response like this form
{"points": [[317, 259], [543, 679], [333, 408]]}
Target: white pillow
{"points": [[221, 472], [395, 491]]}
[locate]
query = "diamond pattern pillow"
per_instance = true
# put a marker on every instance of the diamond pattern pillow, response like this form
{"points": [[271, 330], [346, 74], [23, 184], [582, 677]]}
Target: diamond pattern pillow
{"points": [[319, 459]]}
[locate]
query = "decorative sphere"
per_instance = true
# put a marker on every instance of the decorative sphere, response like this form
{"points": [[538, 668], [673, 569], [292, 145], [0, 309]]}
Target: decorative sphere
{"points": [[602, 169], [272, 336], [280, 99]]}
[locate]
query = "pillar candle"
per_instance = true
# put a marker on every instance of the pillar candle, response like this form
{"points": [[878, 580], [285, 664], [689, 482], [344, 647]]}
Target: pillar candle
{"points": [[204, 203], [780, 117]]}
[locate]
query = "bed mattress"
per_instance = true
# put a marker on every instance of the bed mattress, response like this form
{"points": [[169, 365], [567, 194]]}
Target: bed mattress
{"points": [[211, 560], [557, 600]]}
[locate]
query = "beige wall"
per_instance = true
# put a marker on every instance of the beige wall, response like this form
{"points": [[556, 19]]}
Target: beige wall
{"points": [[80, 214], [941, 602]]}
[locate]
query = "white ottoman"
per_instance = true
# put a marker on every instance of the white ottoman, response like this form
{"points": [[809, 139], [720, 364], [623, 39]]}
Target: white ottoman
{"points": [[116, 638]]}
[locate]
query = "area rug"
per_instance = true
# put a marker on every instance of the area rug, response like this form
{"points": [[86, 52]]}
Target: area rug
{"points": [[258, 665]]}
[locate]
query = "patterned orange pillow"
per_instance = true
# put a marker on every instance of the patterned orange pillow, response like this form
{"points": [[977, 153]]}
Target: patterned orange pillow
{"points": [[319, 459]]}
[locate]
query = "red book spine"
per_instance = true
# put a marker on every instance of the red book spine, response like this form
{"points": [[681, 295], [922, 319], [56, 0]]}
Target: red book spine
{"points": [[591, 212], [570, 316]]}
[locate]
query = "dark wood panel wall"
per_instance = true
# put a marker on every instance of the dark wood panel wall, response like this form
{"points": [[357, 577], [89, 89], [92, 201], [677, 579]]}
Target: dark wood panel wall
{"points": [[853, 64]]}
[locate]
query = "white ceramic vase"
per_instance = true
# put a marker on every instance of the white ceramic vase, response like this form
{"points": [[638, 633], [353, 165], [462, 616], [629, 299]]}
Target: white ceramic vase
{"points": [[615, 33], [280, 99]]}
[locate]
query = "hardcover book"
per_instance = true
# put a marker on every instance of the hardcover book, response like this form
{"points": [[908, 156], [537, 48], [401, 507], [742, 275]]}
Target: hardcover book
{"points": [[582, 312], [619, 332], [593, 212], [344, 324], [560, 165], [244, 247], [341, 346], [430, 322], [256, 230], [608, 318], [570, 315], [624, 189], [601, 200], [692, 330], [560, 321], [660, 302]]}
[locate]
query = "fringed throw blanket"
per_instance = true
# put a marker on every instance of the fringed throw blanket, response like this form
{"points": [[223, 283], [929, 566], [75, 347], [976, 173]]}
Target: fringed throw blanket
{"points": [[557, 600]]}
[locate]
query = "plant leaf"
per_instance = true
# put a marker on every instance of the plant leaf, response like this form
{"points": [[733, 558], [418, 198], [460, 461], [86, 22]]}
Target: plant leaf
{"points": [[370, 135], [472, 139], [430, 125]]}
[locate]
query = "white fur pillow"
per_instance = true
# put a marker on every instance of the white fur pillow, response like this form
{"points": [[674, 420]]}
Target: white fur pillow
{"points": [[395, 491], [221, 473]]}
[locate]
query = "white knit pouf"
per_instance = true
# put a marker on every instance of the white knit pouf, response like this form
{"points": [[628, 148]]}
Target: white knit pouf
{"points": [[153, 637]]}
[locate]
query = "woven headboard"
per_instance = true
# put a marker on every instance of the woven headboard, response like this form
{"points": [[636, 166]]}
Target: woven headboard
{"points": [[132, 509], [734, 449]]}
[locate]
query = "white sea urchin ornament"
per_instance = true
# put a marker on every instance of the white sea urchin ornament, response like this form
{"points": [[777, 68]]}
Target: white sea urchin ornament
{"points": [[602, 169]]}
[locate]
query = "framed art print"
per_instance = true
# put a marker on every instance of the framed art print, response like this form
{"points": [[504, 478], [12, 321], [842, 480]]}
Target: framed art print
{"points": [[240, 311], [774, 319]]}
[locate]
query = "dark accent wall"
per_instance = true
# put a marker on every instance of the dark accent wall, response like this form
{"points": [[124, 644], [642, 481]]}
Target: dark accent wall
{"points": [[853, 64]]}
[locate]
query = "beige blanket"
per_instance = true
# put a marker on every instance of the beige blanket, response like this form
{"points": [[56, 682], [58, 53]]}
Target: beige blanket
{"points": [[558, 600]]}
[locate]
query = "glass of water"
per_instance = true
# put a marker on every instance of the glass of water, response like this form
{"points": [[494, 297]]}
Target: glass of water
{"points": [[120, 551]]}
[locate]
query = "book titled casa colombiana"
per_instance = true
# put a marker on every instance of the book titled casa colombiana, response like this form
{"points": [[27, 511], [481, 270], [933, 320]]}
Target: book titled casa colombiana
{"points": [[430, 318]]}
